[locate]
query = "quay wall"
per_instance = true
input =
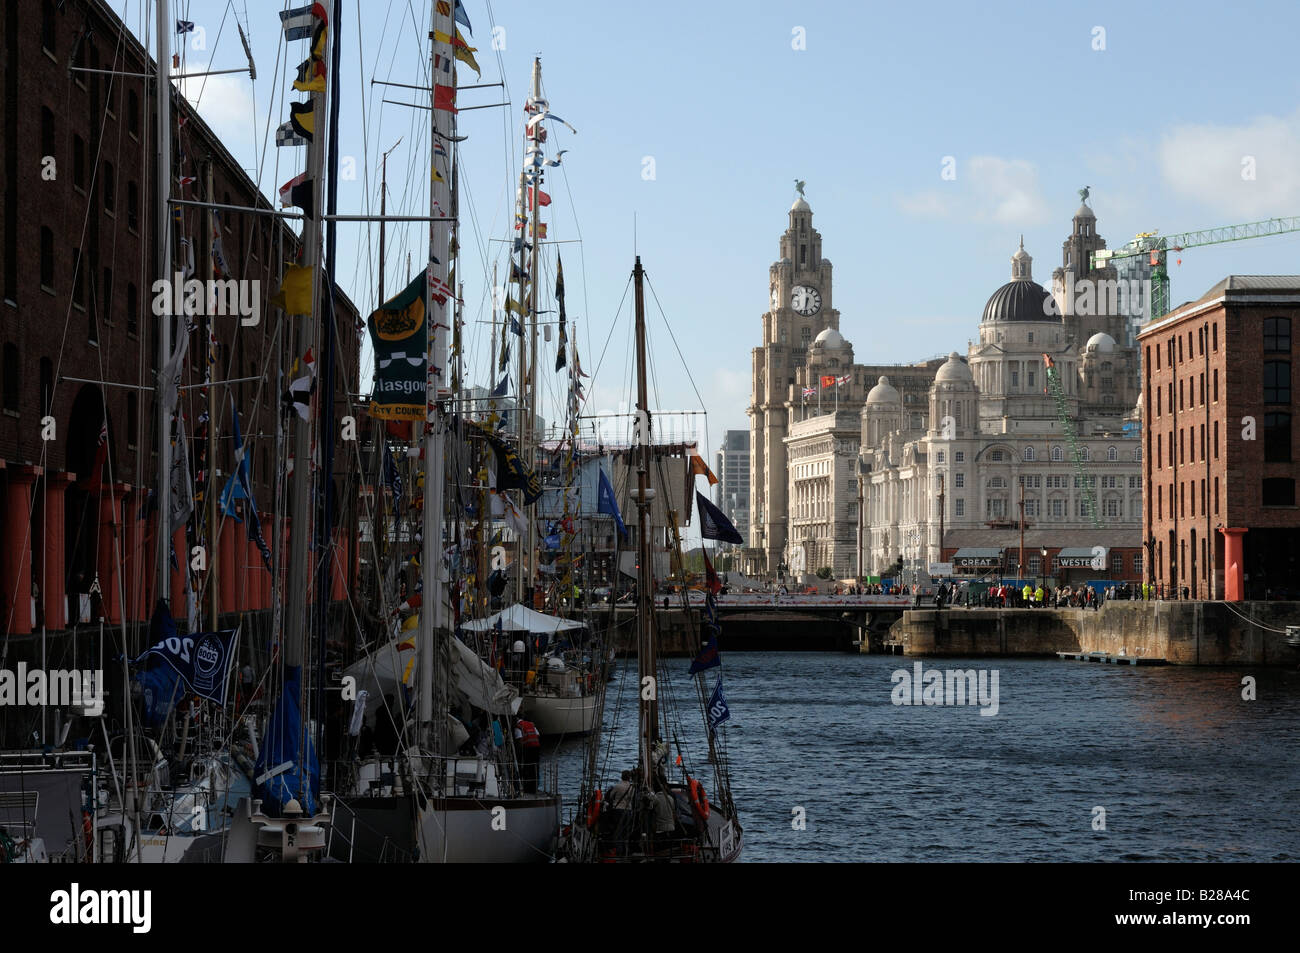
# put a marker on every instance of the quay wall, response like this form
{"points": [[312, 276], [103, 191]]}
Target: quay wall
{"points": [[1182, 633]]}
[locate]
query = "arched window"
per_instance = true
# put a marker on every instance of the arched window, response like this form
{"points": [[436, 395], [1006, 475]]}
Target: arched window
{"points": [[1137, 454], [1029, 453], [1057, 454], [1085, 453], [1112, 454]]}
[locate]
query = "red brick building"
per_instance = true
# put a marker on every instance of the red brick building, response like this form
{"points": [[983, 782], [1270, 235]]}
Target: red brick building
{"points": [[77, 332], [1220, 468]]}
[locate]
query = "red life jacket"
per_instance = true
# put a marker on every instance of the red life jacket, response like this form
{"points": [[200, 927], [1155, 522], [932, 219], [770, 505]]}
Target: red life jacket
{"points": [[532, 738]]}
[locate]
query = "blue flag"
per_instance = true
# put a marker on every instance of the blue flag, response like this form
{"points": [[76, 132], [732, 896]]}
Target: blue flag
{"points": [[718, 710], [708, 657], [714, 523], [462, 17], [202, 659], [500, 389], [246, 490], [393, 479], [605, 503]]}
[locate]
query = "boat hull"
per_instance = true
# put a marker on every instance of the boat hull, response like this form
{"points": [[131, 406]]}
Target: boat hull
{"points": [[461, 830], [557, 716]]}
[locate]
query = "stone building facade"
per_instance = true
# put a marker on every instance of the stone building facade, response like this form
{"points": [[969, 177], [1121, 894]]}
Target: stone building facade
{"points": [[851, 461]]}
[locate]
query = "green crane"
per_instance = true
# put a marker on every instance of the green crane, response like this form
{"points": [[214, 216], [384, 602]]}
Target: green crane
{"points": [[1085, 480], [1157, 247]]}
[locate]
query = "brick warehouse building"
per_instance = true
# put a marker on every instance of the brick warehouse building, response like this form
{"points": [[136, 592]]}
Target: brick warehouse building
{"points": [[1220, 469], [78, 335]]}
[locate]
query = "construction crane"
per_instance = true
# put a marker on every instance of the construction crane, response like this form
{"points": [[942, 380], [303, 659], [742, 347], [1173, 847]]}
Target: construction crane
{"points": [[1157, 247], [1085, 481]]}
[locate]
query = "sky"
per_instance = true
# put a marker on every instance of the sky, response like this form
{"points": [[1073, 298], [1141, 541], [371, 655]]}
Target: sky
{"points": [[693, 123]]}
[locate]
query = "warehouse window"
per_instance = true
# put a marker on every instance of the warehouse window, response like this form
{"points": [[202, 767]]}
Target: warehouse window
{"points": [[1277, 335], [1277, 438], [1277, 382], [11, 377], [47, 258], [1278, 491]]}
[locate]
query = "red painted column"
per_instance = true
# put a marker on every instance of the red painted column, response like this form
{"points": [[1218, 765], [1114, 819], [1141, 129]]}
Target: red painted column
{"points": [[53, 567], [111, 551], [247, 582], [134, 536], [16, 551], [1234, 582], [226, 569]]}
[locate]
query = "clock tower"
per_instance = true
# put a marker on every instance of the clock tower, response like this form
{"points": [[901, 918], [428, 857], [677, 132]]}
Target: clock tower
{"points": [[800, 307]]}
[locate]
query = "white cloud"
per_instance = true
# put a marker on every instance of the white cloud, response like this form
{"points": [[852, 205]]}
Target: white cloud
{"points": [[986, 189], [226, 105], [1206, 162]]}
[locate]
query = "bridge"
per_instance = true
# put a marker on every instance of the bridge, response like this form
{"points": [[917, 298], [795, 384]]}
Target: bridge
{"points": [[779, 622]]}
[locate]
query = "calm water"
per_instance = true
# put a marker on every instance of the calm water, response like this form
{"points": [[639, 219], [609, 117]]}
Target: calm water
{"points": [[1185, 769]]}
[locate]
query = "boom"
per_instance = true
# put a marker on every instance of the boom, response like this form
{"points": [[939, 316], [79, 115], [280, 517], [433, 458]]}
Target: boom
{"points": [[1157, 247]]}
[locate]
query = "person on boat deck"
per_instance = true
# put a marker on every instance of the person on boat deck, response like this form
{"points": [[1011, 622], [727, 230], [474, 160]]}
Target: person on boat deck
{"points": [[529, 740], [619, 796], [665, 813], [387, 727]]}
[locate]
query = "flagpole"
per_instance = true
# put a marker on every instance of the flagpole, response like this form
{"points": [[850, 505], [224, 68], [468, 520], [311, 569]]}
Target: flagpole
{"points": [[520, 403]]}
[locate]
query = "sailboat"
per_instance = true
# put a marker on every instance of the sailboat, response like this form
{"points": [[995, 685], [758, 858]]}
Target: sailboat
{"points": [[443, 795], [659, 812]]}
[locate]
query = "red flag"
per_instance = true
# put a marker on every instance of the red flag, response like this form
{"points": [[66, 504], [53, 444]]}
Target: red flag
{"points": [[542, 198], [710, 577], [828, 380], [444, 97]]}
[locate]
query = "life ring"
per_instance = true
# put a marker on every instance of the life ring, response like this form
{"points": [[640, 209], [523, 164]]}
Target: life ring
{"points": [[593, 809], [699, 800]]}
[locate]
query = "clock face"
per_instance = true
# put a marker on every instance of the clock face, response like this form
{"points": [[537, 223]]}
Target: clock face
{"points": [[806, 300]]}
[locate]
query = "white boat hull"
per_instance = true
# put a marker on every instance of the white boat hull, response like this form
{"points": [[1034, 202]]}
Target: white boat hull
{"points": [[556, 716]]}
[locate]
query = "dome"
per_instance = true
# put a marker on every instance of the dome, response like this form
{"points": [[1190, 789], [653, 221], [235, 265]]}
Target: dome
{"points": [[800, 206], [829, 338], [955, 371], [1101, 341], [883, 393], [1084, 212], [1021, 299]]}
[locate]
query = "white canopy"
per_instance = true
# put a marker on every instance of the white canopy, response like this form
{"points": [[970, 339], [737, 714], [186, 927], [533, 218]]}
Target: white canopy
{"points": [[520, 618]]}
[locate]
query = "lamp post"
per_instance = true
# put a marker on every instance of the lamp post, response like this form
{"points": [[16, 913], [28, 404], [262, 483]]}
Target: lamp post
{"points": [[1042, 552]]}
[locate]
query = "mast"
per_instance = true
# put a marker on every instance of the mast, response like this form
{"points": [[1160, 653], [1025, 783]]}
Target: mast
{"points": [[325, 553], [214, 496], [431, 612], [521, 410], [648, 708], [300, 511], [163, 250], [531, 457]]}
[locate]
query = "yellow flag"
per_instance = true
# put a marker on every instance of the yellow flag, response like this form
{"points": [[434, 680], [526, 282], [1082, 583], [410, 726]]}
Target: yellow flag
{"points": [[294, 296], [437, 176], [465, 53], [516, 307]]}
